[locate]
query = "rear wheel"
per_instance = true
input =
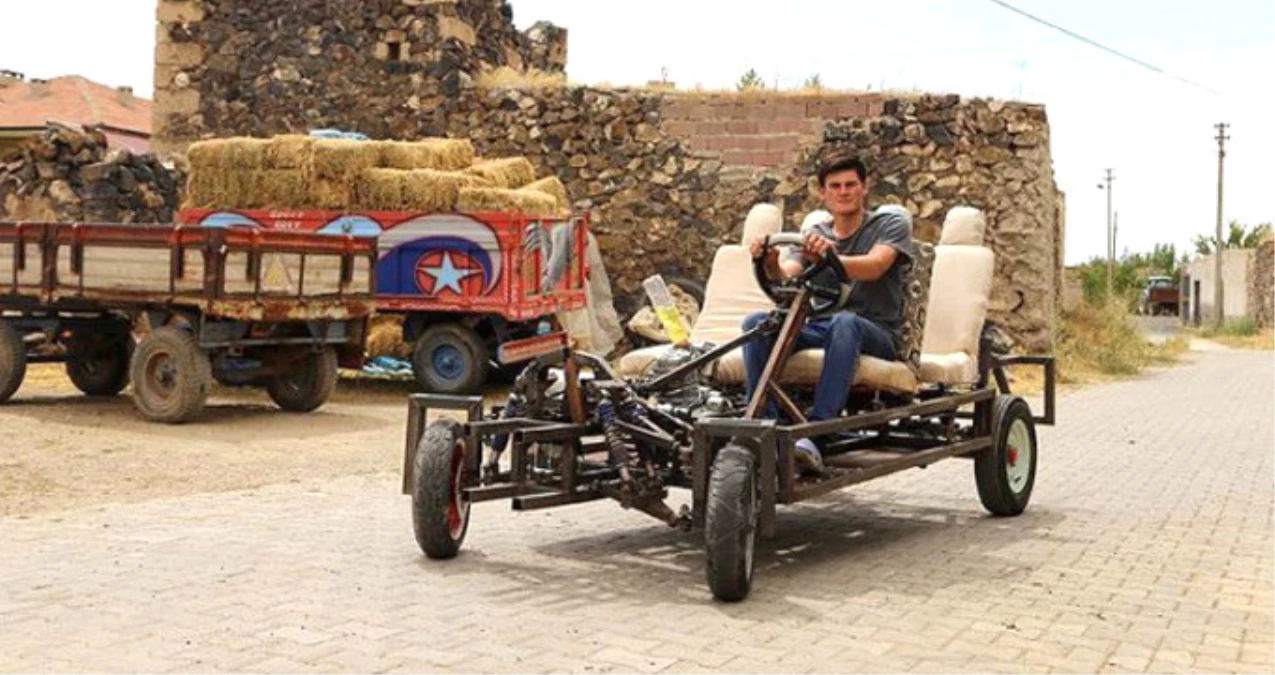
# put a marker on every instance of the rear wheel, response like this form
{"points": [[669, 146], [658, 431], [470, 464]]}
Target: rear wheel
{"points": [[731, 523], [307, 384], [1006, 473], [13, 361], [171, 376], [99, 369], [440, 510], [450, 358]]}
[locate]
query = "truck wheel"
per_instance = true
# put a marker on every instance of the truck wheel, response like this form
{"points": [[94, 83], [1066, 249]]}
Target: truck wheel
{"points": [[13, 361], [1006, 473], [100, 370], [440, 510], [171, 376], [450, 359], [731, 523], [307, 385]]}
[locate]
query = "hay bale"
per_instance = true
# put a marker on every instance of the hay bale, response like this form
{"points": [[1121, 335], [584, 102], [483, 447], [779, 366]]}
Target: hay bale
{"points": [[379, 189], [442, 154], [290, 152], [329, 193], [341, 159], [509, 173], [385, 337], [278, 189], [207, 155], [479, 200], [436, 191], [215, 188], [552, 187]]}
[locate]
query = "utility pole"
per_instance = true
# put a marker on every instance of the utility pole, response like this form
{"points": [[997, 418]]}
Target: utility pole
{"points": [[1111, 235], [1222, 138]]}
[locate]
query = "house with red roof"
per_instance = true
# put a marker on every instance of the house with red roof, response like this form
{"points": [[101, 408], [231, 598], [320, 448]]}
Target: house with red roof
{"points": [[27, 106]]}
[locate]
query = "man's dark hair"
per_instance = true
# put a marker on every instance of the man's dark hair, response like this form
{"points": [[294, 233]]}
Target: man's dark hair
{"points": [[842, 163]]}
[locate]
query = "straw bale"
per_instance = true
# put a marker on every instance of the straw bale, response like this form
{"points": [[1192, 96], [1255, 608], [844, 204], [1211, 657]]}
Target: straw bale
{"points": [[342, 159], [330, 193], [511, 172], [220, 189], [292, 151], [552, 187], [385, 337], [278, 189], [478, 200], [442, 154], [379, 189]]}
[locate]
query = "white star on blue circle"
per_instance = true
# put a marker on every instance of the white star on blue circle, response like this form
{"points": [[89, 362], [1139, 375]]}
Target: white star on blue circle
{"points": [[448, 275]]}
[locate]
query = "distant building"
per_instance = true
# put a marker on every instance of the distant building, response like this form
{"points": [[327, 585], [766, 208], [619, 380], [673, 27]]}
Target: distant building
{"points": [[1198, 287], [27, 106]]}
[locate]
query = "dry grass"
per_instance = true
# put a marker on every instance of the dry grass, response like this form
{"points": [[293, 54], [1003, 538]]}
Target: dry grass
{"points": [[1102, 343], [1241, 336]]}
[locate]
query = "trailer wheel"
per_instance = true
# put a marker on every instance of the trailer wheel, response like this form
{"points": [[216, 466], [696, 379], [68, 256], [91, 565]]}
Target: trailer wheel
{"points": [[731, 523], [440, 510], [171, 376], [308, 385], [1006, 473], [450, 359], [13, 361], [101, 371]]}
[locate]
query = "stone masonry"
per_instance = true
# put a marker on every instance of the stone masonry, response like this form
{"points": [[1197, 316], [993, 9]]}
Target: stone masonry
{"points": [[668, 176]]}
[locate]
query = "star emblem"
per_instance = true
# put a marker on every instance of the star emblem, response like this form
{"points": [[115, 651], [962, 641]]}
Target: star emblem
{"points": [[447, 276]]}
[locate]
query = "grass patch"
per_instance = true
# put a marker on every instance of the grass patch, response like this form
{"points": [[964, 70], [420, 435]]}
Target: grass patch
{"points": [[1101, 342], [1242, 337]]}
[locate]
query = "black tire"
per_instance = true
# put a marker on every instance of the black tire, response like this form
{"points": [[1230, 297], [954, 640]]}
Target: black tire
{"points": [[171, 376], [440, 511], [731, 523], [450, 359], [1004, 485], [307, 385], [100, 370], [13, 361], [692, 288]]}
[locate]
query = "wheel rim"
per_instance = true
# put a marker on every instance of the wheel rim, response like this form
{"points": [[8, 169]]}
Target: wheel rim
{"points": [[1019, 455], [448, 362], [161, 375], [457, 505]]}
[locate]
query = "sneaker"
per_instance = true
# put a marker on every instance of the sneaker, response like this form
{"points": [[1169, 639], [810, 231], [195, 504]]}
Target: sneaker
{"points": [[806, 453]]}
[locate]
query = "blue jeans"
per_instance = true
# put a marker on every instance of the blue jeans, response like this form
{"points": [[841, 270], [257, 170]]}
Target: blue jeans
{"points": [[843, 337]]}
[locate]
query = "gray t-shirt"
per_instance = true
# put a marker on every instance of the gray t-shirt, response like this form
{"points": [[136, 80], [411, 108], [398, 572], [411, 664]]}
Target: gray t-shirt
{"points": [[882, 300]]}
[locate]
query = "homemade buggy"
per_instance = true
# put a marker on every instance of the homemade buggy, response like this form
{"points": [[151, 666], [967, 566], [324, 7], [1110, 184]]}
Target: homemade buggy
{"points": [[573, 430]]}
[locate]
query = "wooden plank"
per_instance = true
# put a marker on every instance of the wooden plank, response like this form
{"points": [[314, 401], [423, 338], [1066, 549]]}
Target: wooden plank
{"points": [[31, 275]]}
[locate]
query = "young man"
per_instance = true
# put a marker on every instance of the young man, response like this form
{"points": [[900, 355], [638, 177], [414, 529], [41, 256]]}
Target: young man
{"points": [[875, 249]]}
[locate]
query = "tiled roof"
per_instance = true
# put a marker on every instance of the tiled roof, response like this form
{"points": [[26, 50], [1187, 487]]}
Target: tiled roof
{"points": [[71, 100]]}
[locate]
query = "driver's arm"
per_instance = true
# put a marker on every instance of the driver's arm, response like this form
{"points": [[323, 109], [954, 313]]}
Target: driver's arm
{"points": [[871, 266]]}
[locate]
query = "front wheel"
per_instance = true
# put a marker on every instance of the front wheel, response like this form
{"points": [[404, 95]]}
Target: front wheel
{"points": [[1006, 472], [170, 376], [307, 384], [730, 525], [440, 510]]}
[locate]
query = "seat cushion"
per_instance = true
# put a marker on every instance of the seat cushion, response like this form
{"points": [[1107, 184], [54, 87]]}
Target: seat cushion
{"points": [[955, 368], [635, 363], [805, 366], [959, 290]]}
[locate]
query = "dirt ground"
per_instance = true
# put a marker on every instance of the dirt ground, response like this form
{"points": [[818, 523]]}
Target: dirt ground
{"points": [[63, 450]]}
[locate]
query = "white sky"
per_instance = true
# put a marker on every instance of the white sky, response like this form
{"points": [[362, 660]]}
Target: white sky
{"points": [[1155, 131]]}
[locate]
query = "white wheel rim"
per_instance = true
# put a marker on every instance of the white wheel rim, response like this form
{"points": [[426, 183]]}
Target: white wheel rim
{"points": [[1019, 456]]}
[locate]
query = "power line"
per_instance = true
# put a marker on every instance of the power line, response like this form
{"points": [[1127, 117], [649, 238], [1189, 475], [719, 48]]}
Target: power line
{"points": [[1105, 48]]}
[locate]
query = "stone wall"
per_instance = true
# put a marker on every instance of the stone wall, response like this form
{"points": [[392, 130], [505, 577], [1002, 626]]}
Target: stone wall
{"points": [[63, 175], [667, 176], [1261, 284], [227, 67]]}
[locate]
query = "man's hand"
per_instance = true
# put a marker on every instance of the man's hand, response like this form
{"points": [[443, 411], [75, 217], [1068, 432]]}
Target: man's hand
{"points": [[814, 245], [757, 245]]}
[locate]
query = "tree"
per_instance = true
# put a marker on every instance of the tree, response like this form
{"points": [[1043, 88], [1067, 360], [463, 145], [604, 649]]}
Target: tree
{"points": [[750, 81], [813, 82], [1237, 236]]}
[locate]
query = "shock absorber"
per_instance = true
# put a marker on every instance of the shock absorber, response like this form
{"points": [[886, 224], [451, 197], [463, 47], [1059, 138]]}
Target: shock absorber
{"points": [[513, 408], [618, 454]]}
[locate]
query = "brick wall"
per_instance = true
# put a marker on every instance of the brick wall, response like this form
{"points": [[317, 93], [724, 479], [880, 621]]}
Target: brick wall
{"points": [[757, 129]]}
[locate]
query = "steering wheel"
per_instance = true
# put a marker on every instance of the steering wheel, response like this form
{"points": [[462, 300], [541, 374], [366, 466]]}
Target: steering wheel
{"points": [[827, 296]]}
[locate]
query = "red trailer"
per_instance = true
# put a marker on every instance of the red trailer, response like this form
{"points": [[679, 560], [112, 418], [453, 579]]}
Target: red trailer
{"points": [[465, 283]]}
